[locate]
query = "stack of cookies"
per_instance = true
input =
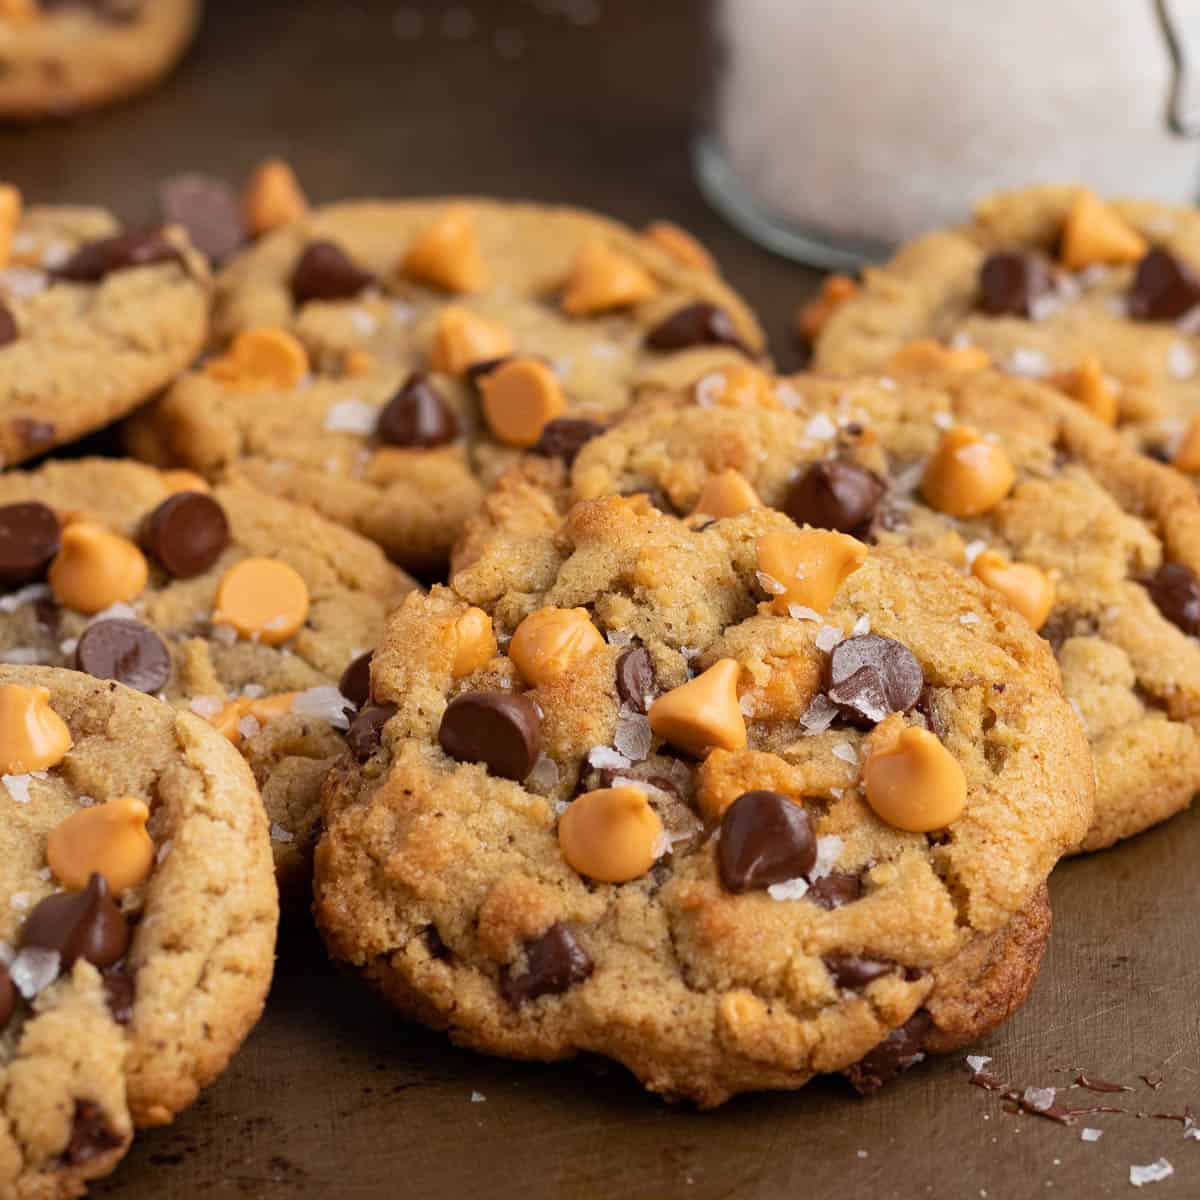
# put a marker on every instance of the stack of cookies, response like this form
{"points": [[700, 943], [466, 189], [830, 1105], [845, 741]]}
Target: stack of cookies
{"points": [[738, 720]]}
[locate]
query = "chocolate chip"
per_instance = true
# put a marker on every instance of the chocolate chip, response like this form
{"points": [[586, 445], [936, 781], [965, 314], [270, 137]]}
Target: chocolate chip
{"points": [[91, 1134], [834, 495], [554, 963], [852, 971], [355, 683], [1164, 287], [1176, 590], [366, 730], [636, 681], [186, 533], [8, 326], [499, 729], [901, 1049], [564, 437], [124, 650], [1010, 281], [325, 272], [699, 324], [29, 533], [135, 248], [928, 710], [119, 995], [766, 838], [871, 677], [8, 997], [417, 416], [832, 891], [85, 924], [208, 209]]}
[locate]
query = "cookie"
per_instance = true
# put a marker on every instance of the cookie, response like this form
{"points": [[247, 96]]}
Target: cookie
{"points": [[237, 606], [58, 57], [137, 933], [393, 358], [93, 321], [1098, 546], [1098, 299], [734, 805]]}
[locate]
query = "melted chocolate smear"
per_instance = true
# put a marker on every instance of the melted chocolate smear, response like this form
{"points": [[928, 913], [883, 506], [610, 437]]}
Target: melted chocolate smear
{"points": [[1100, 1085]]}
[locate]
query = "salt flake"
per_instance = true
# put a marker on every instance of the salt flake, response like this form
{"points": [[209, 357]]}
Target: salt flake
{"points": [[1090, 1135], [351, 416], [279, 834], [1181, 362], [23, 596], [33, 970], [977, 1062], [829, 850], [798, 612], [325, 703], [789, 889], [478, 1098], [821, 428], [1154, 1172], [1039, 1098], [845, 752], [827, 637], [206, 706]]}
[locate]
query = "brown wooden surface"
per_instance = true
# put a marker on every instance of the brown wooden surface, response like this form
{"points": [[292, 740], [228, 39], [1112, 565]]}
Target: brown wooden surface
{"points": [[332, 1095]]}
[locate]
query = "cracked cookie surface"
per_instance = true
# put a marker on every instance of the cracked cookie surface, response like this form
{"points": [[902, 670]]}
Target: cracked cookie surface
{"points": [[166, 978], [61, 56], [1096, 520], [761, 923], [276, 699], [78, 352], [407, 468]]}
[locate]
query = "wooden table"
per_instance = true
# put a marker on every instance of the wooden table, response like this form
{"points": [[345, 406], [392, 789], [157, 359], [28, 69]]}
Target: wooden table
{"points": [[591, 102]]}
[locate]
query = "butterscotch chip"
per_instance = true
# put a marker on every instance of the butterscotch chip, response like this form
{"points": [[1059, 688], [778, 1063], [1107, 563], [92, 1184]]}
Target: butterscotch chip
{"points": [[232, 719], [1087, 384], [611, 835], [603, 279], [264, 599], [736, 385], [1094, 233], [552, 642], [447, 253], [261, 358], [726, 495], [107, 838], [96, 569], [704, 712], [177, 479], [680, 245], [1029, 590], [1187, 453], [33, 736], [20, 12], [806, 568], [915, 783], [462, 338], [357, 363], [10, 218], [520, 398], [968, 475], [272, 197], [929, 357], [475, 642], [813, 316]]}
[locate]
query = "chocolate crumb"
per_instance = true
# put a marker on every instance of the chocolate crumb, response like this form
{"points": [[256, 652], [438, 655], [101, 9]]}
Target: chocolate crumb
{"points": [[1100, 1085], [1154, 1082]]}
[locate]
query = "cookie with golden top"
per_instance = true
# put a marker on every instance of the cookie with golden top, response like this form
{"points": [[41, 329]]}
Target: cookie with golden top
{"points": [[137, 920], [1097, 546], [1098, 298], [383, 361], [59, 57], [235, 605], [733, 805], [93, 320]]}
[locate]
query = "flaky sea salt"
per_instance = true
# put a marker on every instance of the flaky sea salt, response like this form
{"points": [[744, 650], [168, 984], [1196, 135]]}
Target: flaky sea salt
{"points": [[1181, 362], [709, 389], [161, 853], [17, 786], [845, 752], [252, 691], [22, 900], [325, 703], [977, 1062], [599, 757], [206, 706], [969, 619], [972, 550], [478, 1098], [747, 705], [829, 850], [1154, 1172], [818, 716], [821, 428], [1039, 1098], [115, 612], [34, 969], [769, 583], [632, 736], [226, 635], [788, 396], [1090, 1135], [827, 637], [798, 612], [1030, 363], [364, 323], [351, 416], [279, 834], [248, 726], [862, 626], [67, 646], [22, 656], [23, 282], [544, 775], [789, 889], [23, 596], [619, 637], [943, 420]]}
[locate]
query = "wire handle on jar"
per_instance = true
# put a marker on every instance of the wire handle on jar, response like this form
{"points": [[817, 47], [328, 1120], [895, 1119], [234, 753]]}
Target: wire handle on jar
{"points": [[1183, 111]]}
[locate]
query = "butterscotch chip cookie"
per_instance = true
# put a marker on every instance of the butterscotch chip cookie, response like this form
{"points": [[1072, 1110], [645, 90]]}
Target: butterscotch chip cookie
{"points": [[433, 341], [60, 56], [93, 321], [1095, 545], [234, 605], [1098, 298], [137, 928], [734, 805]]}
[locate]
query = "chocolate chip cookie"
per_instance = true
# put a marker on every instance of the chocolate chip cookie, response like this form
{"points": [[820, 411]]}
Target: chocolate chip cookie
{"points": [[734, 805], [137, 932], [60, 56], [386, 360], [93, 320], [1096, 298], [232, 604], [1003, 478]]}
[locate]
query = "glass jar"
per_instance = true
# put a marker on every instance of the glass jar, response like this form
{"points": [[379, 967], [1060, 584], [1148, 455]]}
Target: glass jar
{"points": [[835, 130]]}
